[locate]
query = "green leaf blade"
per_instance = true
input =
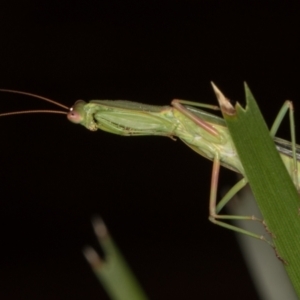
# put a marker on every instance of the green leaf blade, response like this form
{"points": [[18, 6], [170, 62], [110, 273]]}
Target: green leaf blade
{"points": [[270, 182]]}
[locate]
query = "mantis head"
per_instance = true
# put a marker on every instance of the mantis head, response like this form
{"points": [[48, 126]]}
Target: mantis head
{"points": [[76, 112]]}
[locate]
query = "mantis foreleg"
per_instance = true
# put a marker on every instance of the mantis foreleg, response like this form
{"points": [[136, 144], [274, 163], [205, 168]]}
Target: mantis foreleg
{"points": [[178, 105]]}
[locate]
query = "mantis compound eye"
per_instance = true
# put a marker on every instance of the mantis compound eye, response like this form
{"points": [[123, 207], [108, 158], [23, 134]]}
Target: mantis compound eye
{"points": [[75, 115]]}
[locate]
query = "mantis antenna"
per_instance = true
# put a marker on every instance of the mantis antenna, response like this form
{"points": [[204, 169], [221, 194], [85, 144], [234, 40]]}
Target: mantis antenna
{"points": [[34, 111]]}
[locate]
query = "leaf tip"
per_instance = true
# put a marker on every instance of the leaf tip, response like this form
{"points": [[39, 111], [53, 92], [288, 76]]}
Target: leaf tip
{"points": [[100, 228], [92, 257], [248, 93], [225, 105]]}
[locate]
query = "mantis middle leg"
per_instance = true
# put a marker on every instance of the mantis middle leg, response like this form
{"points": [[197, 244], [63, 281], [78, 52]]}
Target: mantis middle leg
{"points": [[215, 208], [288, 106]]}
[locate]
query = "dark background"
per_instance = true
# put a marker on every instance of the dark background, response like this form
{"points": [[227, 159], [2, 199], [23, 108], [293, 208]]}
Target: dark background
{"points": [[152, 192]]}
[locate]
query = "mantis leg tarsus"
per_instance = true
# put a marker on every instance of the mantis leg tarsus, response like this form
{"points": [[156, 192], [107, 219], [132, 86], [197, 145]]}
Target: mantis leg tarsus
{"points": [[240, 230], [268, 231]]}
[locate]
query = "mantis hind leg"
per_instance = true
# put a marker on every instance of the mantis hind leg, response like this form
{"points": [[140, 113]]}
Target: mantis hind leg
{"points": [[214, 208], [288, 106]]}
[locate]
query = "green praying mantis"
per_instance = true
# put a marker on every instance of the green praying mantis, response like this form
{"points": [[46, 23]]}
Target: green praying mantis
{"points": [[203, 132]]}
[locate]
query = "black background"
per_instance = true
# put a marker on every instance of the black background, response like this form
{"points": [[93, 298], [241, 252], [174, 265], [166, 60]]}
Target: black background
{"points": [[152, 192]]}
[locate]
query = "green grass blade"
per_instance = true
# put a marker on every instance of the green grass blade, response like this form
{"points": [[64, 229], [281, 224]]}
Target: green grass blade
{"points": [[113, 272], [270, 182]]}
